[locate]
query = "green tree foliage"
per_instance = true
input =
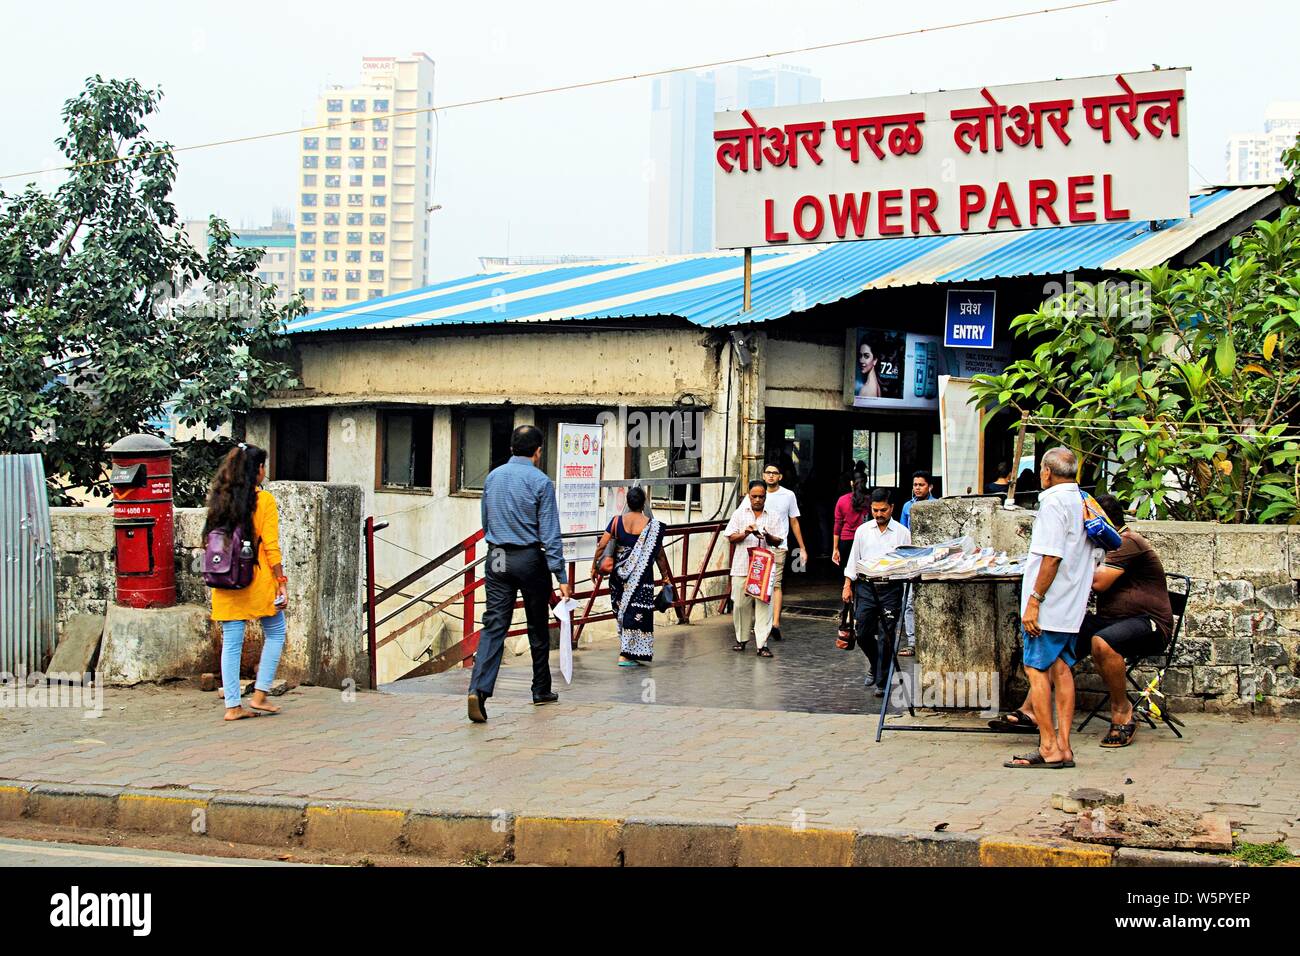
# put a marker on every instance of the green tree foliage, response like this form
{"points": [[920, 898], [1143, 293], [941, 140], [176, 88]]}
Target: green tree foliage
{"points": [[109, 318], [1179, 389]]}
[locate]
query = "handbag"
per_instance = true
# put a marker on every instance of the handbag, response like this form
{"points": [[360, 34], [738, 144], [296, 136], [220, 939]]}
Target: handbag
{"points": [[611, 549], [845, 639], [666, 597]]}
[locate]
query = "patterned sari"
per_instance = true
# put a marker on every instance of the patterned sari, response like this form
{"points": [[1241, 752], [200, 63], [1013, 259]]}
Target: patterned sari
{"points": [[631, 591]]}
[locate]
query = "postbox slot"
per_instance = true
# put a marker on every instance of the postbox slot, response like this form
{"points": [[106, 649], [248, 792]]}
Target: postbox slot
{"points": [[128, 476], [134, 545]]}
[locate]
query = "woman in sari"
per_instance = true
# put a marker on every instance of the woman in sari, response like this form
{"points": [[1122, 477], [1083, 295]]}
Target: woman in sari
{"points": [[638, 548]]}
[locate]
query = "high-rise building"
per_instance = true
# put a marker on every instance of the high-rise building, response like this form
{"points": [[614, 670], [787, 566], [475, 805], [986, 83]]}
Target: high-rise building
{"points": [[681, 143], [1257, 157], [277, 242], [364, 196]]}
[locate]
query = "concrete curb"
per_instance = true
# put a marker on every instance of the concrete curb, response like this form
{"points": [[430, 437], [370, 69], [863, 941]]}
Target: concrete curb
{"points": [[552, 841]]}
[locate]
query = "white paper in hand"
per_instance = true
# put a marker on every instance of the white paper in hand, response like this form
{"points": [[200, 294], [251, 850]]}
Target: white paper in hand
{"points": [[563, 613]]}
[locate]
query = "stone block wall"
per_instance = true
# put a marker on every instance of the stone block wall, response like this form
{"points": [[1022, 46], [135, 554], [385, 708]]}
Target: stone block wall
{"points": [[1239, 649], [320, 536]]}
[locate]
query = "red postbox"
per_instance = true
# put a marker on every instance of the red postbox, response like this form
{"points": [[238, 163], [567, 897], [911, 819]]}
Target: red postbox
{"points": [[143, 521]]}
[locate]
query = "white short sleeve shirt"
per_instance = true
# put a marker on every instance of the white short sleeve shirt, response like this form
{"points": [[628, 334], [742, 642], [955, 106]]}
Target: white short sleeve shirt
{"points": [[781, 506], [740, 520], [1058, 532]]}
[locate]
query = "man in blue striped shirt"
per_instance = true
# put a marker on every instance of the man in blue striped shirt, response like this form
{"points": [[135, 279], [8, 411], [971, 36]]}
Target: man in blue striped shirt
{"points": [[521, 522]]}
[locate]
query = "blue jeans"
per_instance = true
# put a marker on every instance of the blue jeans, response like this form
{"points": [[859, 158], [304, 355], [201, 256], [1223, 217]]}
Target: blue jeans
{"points": [[232, 649]]}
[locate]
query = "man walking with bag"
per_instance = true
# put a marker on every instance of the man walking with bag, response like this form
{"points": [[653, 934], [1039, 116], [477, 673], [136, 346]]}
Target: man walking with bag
{"points": [[521, 523]]}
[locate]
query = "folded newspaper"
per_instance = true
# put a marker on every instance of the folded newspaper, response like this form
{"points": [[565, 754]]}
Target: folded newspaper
{"points": [[955, 560]]}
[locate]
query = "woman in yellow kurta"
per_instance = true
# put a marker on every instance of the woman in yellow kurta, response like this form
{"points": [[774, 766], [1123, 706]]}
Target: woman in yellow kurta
{"points": [[236, 499]]}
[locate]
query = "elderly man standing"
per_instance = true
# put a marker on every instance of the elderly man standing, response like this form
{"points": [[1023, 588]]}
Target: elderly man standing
{"points": [[1053, 601], [521, 523], [751, 526]]}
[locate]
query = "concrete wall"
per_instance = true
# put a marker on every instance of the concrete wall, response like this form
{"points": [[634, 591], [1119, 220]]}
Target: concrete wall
{"points": [[1239, 650], [606, 368], [320, 536]]}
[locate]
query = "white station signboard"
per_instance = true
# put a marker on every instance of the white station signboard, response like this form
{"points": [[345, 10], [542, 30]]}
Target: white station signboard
{"points": [[1030, 156]]}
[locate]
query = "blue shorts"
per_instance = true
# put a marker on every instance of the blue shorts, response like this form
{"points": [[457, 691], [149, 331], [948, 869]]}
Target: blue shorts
{"points": [[1041, 652]]}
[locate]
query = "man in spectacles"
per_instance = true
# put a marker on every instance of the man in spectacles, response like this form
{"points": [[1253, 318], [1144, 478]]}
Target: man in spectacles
{"points": [[783, 515]]}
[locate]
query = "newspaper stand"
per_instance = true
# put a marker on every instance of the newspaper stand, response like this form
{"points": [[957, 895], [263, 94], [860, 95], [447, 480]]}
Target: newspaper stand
{"points": [[894, 667]]}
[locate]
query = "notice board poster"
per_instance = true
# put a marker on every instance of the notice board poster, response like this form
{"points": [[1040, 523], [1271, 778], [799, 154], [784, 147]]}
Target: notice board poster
{"points": [[577, 487], [961, 435]]}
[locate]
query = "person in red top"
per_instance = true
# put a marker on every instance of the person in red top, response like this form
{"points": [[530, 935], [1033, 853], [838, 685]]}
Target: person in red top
{"points": [[850, 511]]}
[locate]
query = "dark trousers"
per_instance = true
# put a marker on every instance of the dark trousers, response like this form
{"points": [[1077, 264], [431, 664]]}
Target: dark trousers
{"points": [[509, 573], [877, 609]]}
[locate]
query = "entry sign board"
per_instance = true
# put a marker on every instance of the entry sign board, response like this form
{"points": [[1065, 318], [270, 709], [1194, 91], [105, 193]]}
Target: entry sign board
{"points": [[969, 323], [577, 487], [1029, 156]]}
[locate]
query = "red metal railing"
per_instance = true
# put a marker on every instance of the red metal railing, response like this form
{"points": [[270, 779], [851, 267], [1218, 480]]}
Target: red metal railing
{"points": [[414, 592]]}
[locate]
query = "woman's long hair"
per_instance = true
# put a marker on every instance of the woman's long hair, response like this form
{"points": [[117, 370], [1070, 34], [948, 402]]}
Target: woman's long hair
{"points": [[861, 495], [232, 499]]}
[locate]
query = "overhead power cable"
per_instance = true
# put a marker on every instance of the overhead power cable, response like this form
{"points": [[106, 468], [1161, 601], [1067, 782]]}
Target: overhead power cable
{"points": [[569, 87]]}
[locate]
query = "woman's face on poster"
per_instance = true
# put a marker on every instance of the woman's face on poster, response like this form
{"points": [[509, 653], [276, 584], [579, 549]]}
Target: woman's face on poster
{"points": [[866, 358]]}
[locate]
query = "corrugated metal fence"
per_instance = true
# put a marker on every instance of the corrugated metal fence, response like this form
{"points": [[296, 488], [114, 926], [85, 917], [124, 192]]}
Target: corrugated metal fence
{"points": [[26, 565]]}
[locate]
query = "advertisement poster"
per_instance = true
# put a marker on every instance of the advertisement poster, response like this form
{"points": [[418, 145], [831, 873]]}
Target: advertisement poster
{"points": [[891, 369], [888, 369], [577, 487]]}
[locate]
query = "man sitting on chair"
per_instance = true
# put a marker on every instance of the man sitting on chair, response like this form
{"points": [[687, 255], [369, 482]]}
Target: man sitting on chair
{"points": [[1133, 619]]}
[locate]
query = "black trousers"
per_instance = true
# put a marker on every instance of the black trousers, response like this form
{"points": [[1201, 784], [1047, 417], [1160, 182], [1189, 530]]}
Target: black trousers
{"points": [[509, 573], [877, 609]]}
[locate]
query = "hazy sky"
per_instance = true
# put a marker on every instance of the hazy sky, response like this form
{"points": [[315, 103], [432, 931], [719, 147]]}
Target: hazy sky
{"points": [[564, 173]]}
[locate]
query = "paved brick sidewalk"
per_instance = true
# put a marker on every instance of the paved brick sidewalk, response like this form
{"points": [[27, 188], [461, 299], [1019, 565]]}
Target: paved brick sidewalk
{"points": [[644, 760]]}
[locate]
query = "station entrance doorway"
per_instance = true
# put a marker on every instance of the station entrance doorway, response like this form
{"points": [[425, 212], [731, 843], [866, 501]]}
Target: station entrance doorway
{"points": [[817, 451]]}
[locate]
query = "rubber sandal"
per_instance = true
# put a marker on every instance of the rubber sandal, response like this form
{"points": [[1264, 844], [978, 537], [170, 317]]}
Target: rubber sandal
{"points": [[1119, 735], [764, 652], [628, 664], [1033, 761], [739, 645], [1022, 725]]}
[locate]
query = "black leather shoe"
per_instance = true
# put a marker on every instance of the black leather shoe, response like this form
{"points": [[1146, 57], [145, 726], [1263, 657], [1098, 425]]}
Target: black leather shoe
{"points": [[539, 699], [477, 707]]}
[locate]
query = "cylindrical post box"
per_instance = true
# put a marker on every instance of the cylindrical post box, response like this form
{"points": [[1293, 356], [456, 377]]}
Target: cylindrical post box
{"points": [[143, 521]]}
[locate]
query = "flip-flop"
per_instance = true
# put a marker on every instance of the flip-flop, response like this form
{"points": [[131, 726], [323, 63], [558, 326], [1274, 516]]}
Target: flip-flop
{"points": [[1022, 725], [1034, 761], [627, 664]]}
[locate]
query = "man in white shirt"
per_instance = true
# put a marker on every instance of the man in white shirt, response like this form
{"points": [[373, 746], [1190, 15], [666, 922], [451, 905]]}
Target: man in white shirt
{"points": [[783, 509], [876, 605], [1053, 601], [751, 526]]}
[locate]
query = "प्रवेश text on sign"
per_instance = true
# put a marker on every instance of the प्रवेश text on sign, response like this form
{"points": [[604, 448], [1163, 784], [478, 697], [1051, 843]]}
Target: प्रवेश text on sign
{"points": [[1030, 156]]}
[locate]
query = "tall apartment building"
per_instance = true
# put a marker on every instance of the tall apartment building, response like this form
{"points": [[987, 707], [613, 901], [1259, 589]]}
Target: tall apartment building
{"points": [[1257, 157], [363, 204], [681, 143]]}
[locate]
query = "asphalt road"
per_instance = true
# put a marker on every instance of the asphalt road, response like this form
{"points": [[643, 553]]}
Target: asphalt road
{"points": [[36, 853]]}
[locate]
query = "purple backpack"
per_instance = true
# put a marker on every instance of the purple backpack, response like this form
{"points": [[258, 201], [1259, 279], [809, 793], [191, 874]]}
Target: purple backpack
{"points": [[228, 559]]}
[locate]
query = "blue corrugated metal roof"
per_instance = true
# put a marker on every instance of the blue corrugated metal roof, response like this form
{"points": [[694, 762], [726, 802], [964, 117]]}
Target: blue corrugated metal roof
{"points": [[706, 289]]}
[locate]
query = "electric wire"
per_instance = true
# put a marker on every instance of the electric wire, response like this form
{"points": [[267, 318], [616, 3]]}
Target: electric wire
{"points": [[569, 87]]}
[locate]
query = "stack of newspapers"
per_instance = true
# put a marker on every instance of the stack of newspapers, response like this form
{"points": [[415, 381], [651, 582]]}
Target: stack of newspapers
{"points": [[954, 560]]}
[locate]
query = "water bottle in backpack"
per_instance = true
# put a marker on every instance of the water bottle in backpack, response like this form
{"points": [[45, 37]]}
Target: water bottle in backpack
{"points": [[228, 559]]}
